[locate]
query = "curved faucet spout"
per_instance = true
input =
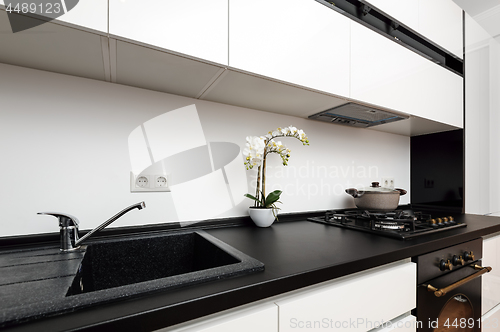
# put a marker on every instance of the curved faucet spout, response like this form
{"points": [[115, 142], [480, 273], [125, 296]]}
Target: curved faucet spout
{"points": [[138, 206]]}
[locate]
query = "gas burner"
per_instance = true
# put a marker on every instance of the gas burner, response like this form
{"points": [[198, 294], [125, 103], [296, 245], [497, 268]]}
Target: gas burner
{"points": [[401, 223], [388, 225]]}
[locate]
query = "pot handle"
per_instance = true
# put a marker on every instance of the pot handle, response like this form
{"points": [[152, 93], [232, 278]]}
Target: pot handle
{"points": [[353, 192], [401, 191]]}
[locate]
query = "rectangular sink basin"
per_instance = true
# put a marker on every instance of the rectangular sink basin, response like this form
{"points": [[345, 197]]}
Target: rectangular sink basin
{"points": [[164, 261]]}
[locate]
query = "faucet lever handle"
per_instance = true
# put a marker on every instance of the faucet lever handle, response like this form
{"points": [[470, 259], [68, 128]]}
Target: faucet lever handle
{"points": [[65, 220]]}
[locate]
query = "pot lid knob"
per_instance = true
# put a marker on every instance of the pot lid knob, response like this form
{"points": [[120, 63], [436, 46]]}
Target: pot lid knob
{"points": [[375, 185]]}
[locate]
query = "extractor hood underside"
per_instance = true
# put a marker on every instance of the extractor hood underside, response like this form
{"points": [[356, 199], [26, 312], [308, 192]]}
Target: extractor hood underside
{"points": [[357, 115]]}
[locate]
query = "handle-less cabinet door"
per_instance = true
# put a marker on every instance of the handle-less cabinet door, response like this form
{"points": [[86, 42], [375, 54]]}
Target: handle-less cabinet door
{"points": [[249, 318], [438, 21], [405, 12], [297, 41], [355, 303], [197, 28], [441, 22], [90, 14], [491, 281], [387, 74]]}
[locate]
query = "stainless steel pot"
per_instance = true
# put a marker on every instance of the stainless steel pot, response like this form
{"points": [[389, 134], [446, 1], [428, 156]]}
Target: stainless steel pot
{"points": [[376, 197]]}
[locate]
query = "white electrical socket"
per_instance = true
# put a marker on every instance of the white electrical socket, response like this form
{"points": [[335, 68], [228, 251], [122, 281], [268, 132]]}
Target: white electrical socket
{"points": [[149, 183], [142, 181], [161, 181], [388, 182]]}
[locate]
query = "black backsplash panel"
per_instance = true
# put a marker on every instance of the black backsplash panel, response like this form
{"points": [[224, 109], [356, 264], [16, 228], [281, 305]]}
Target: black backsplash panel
{"points": [[437, 170]]}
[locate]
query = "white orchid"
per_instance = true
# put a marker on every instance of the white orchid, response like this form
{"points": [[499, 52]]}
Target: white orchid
{"points": [[256, 150]]}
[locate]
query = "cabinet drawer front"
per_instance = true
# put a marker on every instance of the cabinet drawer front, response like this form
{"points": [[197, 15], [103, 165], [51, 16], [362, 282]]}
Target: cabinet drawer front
{"points": [[355, 303], [491, 281]]}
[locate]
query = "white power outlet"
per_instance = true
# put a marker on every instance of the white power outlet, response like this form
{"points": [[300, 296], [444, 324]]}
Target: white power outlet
{"points": [[142, 181], [388, 182], [149, 183], [161, 181]]}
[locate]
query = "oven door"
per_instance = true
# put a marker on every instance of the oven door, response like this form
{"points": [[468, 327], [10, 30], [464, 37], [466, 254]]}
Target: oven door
{"points": [[459, 309]]}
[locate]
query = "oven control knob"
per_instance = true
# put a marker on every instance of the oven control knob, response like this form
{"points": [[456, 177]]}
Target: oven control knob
{"points": [[439, 221], [469, 256], [433, 222], [445, 265], [457, 260]]}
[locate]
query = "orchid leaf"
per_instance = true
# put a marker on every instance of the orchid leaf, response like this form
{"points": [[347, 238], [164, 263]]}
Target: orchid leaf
{"points": [[272, 198]]}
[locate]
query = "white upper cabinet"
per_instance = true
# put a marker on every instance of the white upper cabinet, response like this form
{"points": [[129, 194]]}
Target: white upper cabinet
{"points": [[405, 11], [441, 22], [297, 41], [90, 14], [387, 74], [197, 28]]}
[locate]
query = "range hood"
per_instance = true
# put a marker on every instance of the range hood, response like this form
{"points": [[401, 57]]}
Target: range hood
{"points": [[357, 115]]}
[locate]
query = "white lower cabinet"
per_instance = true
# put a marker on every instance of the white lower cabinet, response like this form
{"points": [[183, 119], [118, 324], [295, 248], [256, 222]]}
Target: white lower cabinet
{"points": [[491, 321], [372, 299], [491, 281], [262, 317], [406, 324], [359, 302]]}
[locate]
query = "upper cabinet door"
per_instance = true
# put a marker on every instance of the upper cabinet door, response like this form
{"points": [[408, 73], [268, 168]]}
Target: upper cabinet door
{"points": [[297, 41], [90, 14], [387, 74], [442, 22], [197, 28], [405, 11], [439, 21]]}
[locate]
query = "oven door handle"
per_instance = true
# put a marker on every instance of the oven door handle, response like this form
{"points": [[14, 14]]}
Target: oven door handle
{"points": [[443, 291]]}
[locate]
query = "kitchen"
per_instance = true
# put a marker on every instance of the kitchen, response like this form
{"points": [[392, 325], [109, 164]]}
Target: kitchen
{"points": [[66, 146]]}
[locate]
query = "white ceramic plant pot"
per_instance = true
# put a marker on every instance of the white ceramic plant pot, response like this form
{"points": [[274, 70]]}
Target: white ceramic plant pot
{"points": [[262, 217]]}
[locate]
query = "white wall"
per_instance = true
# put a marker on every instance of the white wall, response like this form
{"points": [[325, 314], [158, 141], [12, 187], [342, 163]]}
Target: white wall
{"points": [[63, 144], [482, 118]]}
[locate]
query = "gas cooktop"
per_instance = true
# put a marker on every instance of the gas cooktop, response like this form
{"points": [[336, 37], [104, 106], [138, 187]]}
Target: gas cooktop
{"points": [[401, 223]]}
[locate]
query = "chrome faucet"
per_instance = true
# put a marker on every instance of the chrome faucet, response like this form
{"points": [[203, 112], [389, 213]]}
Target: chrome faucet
{"points": [[68, 226]]}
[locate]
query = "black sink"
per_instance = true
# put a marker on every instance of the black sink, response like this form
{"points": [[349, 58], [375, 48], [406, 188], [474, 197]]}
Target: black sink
{"points": [[159, 262]]}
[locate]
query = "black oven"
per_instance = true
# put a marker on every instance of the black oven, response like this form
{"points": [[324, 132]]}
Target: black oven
{"points": [[449, 289]]}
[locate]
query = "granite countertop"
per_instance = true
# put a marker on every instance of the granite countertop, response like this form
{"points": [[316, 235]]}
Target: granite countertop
{"points": [[296, 254]]}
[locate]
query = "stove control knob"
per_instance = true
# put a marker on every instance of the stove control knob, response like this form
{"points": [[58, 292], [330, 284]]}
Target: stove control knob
{"points": [[457, 260], [445, 265], [469, 256], [433, 222], [439, 221]]}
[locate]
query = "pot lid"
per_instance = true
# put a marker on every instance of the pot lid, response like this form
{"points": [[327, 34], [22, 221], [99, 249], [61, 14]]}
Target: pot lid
{"points": [[375, 188]]}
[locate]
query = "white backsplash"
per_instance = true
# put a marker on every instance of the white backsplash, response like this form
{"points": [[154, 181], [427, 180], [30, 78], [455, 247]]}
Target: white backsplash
{"points": [[64, 144]]}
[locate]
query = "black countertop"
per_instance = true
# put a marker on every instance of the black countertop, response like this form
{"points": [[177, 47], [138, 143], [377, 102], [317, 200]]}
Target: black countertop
{"points": [[296, 254]]}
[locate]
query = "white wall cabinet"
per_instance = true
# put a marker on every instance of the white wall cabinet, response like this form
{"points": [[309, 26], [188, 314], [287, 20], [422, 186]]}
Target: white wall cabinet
{"points": [[91, 14], [197, 28], [387, 74], [249, 318], [302, 42], [491, 281], [405, 12], [439, 21], [365, 298]]}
